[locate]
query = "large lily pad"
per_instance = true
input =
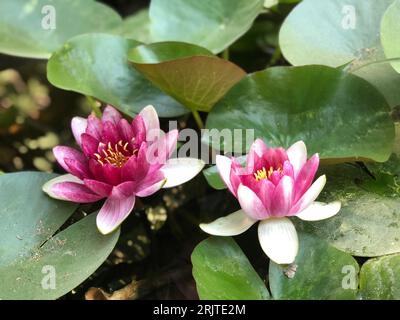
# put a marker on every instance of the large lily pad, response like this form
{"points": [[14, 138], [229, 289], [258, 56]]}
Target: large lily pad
{"points": [[213, 24], [390, 33], [287, 104], [188, 73], [26, 31], [337, 32], [97, 65], [320, 272], [223, 272], [136, 26], [380, 278], [368, 224]]}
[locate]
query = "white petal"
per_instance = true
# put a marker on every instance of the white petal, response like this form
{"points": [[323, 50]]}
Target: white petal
{"points": [[150, 118], [297, 155], [181, 170], [319, 211], [310, 195], [251, 203], [224, 165], [47, 187], [151, 189], [231, 225], [78, 126], [278, 239]]}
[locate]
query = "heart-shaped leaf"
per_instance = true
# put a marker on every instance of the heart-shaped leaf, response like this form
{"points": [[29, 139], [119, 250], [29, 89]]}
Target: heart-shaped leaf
{"points": [[380, 278], [213, 24], [287, 104], [320, 272], [97, 65], [188, 73], [338, 32], [390, 34], [136, 26], [368, 223], [37, 28], [223, 272]]}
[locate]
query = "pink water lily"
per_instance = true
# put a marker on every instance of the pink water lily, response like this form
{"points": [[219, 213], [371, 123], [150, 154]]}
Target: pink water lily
{"points": [[119, 162], [275, 184]]}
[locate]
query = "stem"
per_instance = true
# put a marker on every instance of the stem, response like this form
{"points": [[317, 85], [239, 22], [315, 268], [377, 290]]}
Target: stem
{"points": [[275, 57], [225, 54], [198, 120], [95, 107]]}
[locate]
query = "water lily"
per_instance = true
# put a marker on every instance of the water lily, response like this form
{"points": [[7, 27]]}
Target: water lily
{"points": [[119, 162], [274, 185]]}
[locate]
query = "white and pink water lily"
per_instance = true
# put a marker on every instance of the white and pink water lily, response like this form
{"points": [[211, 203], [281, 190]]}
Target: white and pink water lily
{"points": [[119, 162], [275, 184]]}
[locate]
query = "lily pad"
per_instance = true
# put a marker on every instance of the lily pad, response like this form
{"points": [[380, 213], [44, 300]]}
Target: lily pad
{"points": [[390, 33], [37, 28], [380, 278], [320, 272], [223, 272], [368, 224], [337, 32], [192, 21], [348, 112], [136, 26], [188, 73], [97, 65]]}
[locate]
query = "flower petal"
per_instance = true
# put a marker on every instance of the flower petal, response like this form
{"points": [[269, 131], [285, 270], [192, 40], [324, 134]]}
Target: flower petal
{"points": [[297, 154], [94, 127], [90, 145], [111, 114], [224, 166], [282, 197], [78, 126], [79, 169], [278, 239], [150, 118], [98, 187], [110, 133], [161, 150], [319, 211], [181, 170], [306, 176], [309, 196], [114, 211], [251, 203], [230, 225], [126, 130], [148, 191], [69, 188], [61, 153]]}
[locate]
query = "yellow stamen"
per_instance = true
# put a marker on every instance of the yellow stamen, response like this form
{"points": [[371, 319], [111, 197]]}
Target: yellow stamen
{"points": [[115, 155], [263, 174]]}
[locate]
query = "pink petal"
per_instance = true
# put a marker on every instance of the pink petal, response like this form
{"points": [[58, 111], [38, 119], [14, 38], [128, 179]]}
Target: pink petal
{"points": [[306, 176], [150, 183], [96, 169], [114, 211], [257, 149], [160, 151], [94, 127], [288, 169], [110, 133], [297, 155], [151, 189], [98, 187], [224, 165], [137, 167], [61, 153], [111, 114], [112, 174], [126, 131], [89, 145], [78, 126], [251, 203], [151, 121], [282, 197], [77, 168], [75, 192], [276, 157]]}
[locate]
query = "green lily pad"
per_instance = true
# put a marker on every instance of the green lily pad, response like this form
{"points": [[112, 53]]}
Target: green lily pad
{"points": [[71, 256], [136, 26], [349, 113], [188, 73], [192, 21], [27, 28], [390, 33], [368, 223], [97, 65], [380, 278], [223, 272], [320, 272], [337, 32]]}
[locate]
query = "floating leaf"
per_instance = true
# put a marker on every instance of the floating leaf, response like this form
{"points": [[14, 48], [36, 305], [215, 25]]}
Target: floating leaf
{"points": [[337, 32], [222, 272], [136, 26], [349, 113], [319, 272], [97, 65], [213, 24], [37, 28], [188, 73], [390, 33], [380, 278]]}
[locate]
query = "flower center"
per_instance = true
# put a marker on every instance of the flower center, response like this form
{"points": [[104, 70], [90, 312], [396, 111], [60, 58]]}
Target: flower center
{"points": [[116, 155], [264, 174]]}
